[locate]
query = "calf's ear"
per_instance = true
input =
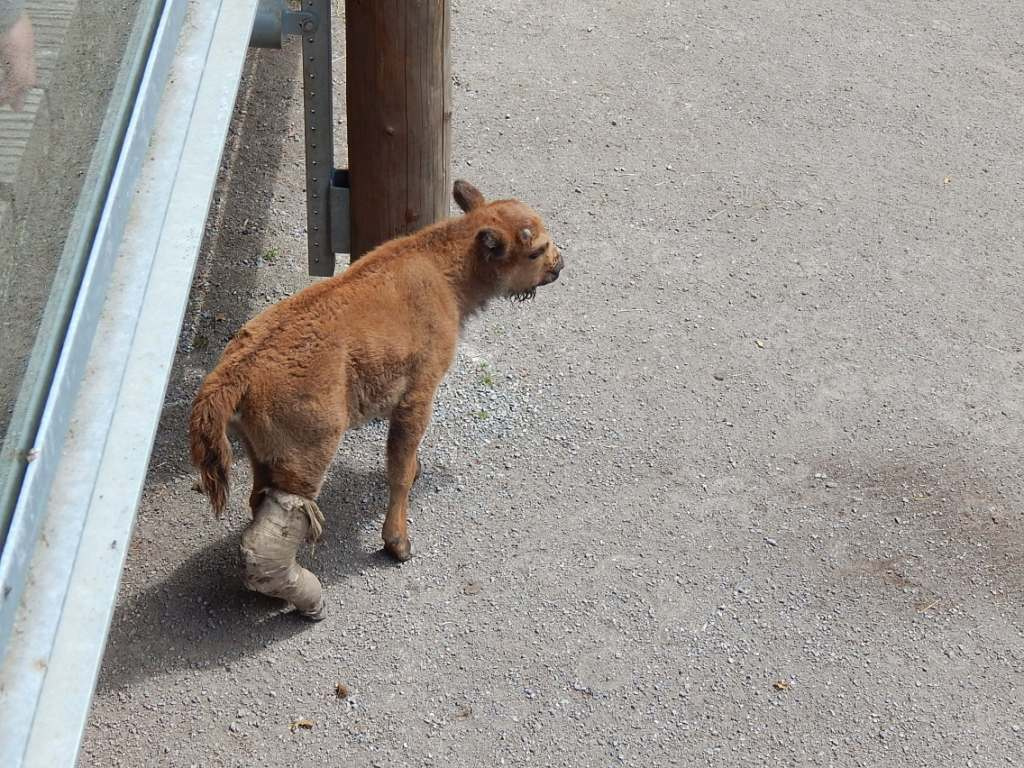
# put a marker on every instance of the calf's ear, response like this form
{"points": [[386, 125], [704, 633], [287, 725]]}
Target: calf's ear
{"points": [[467, 196]]}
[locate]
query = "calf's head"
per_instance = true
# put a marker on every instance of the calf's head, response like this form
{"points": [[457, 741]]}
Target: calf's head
{"points": [[511, 242]]}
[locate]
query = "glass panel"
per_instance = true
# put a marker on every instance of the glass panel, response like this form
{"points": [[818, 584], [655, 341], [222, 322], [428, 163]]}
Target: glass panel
{"points": [[69, 72]]}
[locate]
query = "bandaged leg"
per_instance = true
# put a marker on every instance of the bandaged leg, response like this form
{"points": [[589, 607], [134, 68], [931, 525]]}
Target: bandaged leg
{"points": [[280, 525]]}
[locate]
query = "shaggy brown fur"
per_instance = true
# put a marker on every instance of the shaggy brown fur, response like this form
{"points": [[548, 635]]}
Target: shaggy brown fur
{"points": [[372, 342]]}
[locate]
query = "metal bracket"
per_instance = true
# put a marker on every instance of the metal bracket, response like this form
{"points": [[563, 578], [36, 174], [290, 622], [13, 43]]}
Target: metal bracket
{"points": [[341, 228], [275, 21], [327, 210]]}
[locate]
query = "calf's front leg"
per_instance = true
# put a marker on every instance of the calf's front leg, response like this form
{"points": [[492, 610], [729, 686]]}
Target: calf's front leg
{"points": [[408, 423]]}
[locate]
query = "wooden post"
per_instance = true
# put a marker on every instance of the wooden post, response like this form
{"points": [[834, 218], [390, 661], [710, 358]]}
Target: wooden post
{"points": [[399, 115]]}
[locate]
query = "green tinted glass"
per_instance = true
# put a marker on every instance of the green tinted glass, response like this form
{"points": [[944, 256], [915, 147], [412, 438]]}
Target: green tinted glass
{"points": [[69, 72]]}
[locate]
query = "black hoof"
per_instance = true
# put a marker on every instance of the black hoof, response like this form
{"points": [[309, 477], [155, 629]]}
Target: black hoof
{"points": [[399, 549]]}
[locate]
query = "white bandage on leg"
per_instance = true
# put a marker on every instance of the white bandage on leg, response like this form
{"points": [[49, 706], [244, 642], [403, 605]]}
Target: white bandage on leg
{"points": [[280, 525]]}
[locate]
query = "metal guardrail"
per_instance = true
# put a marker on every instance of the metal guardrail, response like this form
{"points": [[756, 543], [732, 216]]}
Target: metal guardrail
{"points": [[57, 637], [138, 110]]}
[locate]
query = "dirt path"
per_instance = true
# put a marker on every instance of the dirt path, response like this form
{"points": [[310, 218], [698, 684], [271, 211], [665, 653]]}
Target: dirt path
{"points": [[744, 488]]}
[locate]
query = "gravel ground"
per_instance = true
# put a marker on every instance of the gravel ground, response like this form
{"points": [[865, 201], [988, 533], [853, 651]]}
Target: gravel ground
{"points": [[743, 488]]}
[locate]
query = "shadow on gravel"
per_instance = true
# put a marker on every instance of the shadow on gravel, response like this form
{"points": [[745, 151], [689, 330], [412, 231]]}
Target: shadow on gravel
{"points": [[201, 616], [234, 238]]}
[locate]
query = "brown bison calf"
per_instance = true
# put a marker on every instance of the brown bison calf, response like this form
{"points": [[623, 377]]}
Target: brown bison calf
{"points": [[372, 342]]}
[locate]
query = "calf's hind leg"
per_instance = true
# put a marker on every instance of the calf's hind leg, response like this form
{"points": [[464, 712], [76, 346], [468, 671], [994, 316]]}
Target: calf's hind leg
{"points": [[285, 516]]}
